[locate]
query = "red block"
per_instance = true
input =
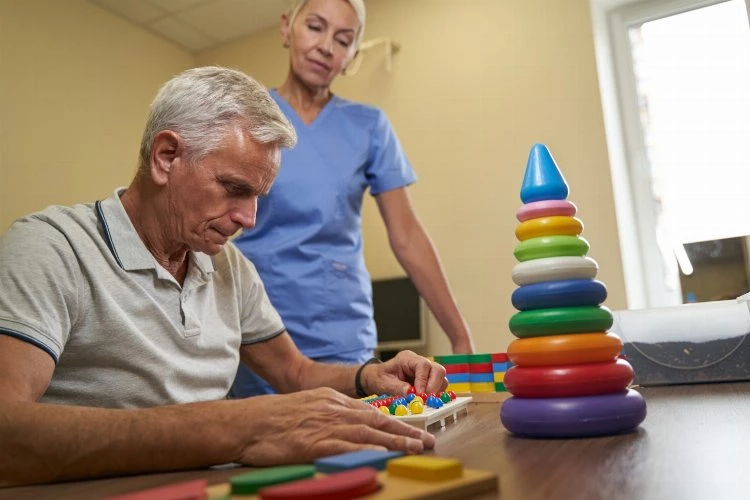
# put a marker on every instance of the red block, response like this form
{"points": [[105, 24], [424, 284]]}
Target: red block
{"points": [[500, 357], [480, 368], [353, 483], [459, 368]]}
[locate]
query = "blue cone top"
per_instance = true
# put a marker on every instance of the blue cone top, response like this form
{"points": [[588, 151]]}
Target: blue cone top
{"points": [[543, 179]]}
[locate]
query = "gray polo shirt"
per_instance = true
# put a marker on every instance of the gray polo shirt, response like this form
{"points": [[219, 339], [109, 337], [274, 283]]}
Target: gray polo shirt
{"points": [[79, 283]]}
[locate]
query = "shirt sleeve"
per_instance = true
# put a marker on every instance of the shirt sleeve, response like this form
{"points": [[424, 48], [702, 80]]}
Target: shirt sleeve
{"points": [[388, 168], [40, 282], [259, 320]]}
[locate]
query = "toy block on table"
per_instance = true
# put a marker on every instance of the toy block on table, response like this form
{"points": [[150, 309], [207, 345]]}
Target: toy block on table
{"points": [[356, 459], [252, 482], [344, 485], [191, 490], [425, 468]]}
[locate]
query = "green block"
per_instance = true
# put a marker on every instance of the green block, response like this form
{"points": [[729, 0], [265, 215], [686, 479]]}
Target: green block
{"points": [[250, 482], [480, 358], [452, 359], [500, 387]]}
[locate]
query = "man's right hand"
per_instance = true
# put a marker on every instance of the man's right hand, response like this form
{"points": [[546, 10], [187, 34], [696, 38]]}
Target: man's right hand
{"points": [[306, 425]]}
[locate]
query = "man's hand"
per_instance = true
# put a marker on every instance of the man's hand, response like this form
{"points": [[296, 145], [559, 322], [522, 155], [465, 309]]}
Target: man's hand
{"points": [[405, 369], [306, 425]]}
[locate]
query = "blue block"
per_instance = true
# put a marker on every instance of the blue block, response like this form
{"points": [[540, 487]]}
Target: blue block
{"points": [[364, 458], [501, 367], [457, 378], [481, 377]]}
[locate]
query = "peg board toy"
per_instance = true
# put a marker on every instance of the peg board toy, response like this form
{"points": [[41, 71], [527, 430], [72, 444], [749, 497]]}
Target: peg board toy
{"points": [[421, 410]]}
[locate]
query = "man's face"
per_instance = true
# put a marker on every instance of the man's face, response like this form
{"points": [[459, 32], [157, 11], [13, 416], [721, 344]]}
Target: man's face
{"points": [[217, 196]]}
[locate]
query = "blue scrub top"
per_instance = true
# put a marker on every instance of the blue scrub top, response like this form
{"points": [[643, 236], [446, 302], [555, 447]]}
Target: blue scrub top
{"points": [[307, 242]]}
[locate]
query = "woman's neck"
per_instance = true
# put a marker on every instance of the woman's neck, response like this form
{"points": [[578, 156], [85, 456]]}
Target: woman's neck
{"points": [[306, 102]]}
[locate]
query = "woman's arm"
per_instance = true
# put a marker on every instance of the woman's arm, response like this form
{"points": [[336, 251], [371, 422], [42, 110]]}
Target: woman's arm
{"points": [[416, 253]]}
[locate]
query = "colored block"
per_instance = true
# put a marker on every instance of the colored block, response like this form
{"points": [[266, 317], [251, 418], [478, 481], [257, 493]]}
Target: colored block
{"points": [[501, 367], [459, 387], [480, 367], [482, 387], [356, 459], [452, 359], [499, 357], [457, 368], [500, 387], [191, 490], [499, 377], [480, 358], [454, 378], [425, 468], [251, 482], [354, 483], [481, 377]]}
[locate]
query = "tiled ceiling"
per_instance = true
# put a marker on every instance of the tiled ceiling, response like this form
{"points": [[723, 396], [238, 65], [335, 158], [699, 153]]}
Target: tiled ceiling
{"points": [[198, 24]]}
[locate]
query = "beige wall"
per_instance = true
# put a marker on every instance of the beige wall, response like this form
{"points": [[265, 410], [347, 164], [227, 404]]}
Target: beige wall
{"points": [[475, 84], [74, 92]]}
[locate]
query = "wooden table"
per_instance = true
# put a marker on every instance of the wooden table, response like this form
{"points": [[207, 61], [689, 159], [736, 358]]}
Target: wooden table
{"points": [[694, 444]]}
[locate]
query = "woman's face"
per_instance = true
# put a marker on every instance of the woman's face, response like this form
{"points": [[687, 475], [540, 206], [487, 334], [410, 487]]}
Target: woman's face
{"points": [[321, 41]]}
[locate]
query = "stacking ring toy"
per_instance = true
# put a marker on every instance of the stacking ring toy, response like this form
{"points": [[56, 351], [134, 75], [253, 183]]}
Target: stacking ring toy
{"points": [[574, 417], [567, 349], [588, 379], [551, 246], [561, 293], [545, 208], [549, 226], [554, 268], [560, 320]]}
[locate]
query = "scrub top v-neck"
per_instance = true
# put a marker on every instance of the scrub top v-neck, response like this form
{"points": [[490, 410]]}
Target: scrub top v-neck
{"points": [[307, 242]]}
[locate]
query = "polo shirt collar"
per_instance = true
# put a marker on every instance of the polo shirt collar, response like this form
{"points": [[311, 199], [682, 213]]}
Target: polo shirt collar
{"points": [[125, 243]]}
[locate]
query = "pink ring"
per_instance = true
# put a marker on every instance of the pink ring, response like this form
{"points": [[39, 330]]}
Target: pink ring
{"points": [[545, 208]]}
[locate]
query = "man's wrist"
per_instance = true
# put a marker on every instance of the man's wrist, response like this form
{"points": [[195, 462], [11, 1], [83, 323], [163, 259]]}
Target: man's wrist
{"points": [[359, 388]]}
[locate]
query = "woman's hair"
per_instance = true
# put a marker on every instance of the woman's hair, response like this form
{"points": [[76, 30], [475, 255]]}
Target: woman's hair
{"points": [[202, 105], [357, 5]]}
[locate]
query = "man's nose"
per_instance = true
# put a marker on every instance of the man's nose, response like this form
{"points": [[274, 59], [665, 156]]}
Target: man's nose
{"points": [[244, 215]]}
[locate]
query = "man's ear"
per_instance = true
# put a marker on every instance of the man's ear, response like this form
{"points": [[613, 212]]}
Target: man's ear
{"points": [[167, 148]]}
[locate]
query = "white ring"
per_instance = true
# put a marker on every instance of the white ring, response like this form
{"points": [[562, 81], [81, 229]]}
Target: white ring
{"points": [[553, 269]]}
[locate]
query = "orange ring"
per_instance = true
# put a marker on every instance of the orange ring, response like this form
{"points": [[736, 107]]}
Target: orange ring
{"points": [[568, 349], [549, 226]]}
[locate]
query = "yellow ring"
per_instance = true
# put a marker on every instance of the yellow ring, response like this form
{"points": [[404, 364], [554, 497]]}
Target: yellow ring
{"points": [[549, 226]]}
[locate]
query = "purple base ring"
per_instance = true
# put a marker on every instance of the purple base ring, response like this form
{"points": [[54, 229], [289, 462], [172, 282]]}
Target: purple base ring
{"points": [[574, 417]]}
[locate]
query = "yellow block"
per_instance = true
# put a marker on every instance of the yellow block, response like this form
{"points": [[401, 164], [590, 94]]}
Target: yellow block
{"points": [[499, 376], [425, 468], [482, 387], [459, 387]]}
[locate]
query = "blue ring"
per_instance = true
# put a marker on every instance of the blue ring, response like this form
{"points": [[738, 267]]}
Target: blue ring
{"points": [[562, 293]]}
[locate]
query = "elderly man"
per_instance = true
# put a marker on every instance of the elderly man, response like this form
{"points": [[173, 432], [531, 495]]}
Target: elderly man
{"points": [[122, 322]]}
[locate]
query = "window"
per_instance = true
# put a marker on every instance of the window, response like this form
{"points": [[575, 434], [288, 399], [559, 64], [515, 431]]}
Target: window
{"points": [[675, 80]]}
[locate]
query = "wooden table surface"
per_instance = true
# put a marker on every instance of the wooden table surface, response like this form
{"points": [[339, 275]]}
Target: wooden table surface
{"points": [[694, 444]]}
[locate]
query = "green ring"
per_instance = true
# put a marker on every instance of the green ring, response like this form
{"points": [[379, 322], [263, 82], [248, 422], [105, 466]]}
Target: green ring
{"points": [[560, 320], [551, 246]]}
